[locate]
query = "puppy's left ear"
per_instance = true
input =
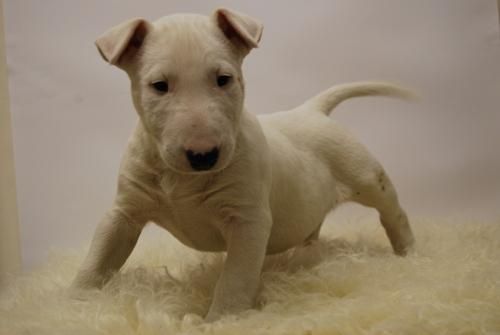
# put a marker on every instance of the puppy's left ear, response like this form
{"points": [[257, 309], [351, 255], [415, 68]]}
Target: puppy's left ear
{"points": [[240, 29]]}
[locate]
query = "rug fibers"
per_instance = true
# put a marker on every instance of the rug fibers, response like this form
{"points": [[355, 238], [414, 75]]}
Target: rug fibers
{"points": [[347, 283]]}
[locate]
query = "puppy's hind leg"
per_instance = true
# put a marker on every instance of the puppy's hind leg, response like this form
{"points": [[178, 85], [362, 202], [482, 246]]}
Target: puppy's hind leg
{"points": [[378, 192]]}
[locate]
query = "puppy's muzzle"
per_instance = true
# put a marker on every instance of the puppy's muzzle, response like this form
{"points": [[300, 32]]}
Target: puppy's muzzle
{"points": [[202, 161]]}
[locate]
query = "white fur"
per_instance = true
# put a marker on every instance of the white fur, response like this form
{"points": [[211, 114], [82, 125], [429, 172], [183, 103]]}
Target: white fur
{"points": [[277, 176]]}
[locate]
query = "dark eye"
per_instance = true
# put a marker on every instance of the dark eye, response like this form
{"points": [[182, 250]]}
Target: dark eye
{"points": [[223, 80], [160, 86]]}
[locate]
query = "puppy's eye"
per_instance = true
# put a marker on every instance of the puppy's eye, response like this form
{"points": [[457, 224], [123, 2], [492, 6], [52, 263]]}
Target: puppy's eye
{"points": [[223, 80], [160, 86]]}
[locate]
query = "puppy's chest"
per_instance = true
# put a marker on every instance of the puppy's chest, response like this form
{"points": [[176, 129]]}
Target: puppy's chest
{"points": [[194, 214]]}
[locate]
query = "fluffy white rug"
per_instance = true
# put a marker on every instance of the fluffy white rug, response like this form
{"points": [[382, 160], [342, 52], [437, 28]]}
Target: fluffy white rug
{"points": [[348, 283]]}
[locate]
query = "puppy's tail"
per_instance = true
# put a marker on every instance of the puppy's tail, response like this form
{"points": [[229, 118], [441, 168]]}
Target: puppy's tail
{"points": [[327, 100]]}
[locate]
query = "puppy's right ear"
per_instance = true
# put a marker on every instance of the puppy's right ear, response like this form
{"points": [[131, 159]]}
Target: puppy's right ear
{"points": [[121, 43]]}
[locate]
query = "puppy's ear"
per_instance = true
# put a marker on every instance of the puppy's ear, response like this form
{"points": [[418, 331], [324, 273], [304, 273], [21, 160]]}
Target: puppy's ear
{"points": [[240, 29], [122, 42]]}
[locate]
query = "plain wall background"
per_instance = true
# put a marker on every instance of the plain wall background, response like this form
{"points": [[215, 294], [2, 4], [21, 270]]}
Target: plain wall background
{"points": [[10, 252], [72, 113]]}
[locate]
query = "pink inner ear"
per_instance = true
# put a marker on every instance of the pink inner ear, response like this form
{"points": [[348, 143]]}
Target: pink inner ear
{"points": [[226, 27], [139, 35], [122, 41], [135, 42]]}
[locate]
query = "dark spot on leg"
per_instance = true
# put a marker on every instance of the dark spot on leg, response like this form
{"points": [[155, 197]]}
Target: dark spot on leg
{"points": [[381, 177], [358, 193], [383, 188]]}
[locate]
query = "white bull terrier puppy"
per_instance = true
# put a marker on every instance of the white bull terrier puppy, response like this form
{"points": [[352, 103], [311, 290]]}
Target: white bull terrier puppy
{"points": [[217, 177]]}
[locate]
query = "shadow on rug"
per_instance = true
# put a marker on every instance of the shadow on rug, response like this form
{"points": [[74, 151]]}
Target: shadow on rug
{"points": [[347, 283]]}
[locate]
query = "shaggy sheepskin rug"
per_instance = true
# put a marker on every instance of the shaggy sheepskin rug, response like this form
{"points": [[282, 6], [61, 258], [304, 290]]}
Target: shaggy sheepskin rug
{"points": [[349, 282]]}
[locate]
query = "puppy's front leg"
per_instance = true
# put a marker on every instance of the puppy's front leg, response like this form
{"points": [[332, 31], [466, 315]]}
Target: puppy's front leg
{"points": [[239, 282], [113, 241]]}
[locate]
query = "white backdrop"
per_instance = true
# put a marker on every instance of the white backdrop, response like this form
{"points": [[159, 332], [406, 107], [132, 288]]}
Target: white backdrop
{"points": [[72, 113]]}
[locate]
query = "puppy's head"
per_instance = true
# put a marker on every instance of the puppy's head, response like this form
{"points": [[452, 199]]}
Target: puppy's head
{"points": [[187, 84]]}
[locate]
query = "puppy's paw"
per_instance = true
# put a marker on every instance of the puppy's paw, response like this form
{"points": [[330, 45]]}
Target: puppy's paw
{"points": [[212, 316], [216, 312], [79, 294], [405, 245], [191, 319], [306, 256]]}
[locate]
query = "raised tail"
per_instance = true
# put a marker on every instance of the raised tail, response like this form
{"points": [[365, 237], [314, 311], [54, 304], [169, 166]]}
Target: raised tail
{"points": [[327, 100]]}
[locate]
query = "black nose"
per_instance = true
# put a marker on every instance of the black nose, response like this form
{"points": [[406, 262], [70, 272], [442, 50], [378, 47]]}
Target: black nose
{"points": [[202, 161]]}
